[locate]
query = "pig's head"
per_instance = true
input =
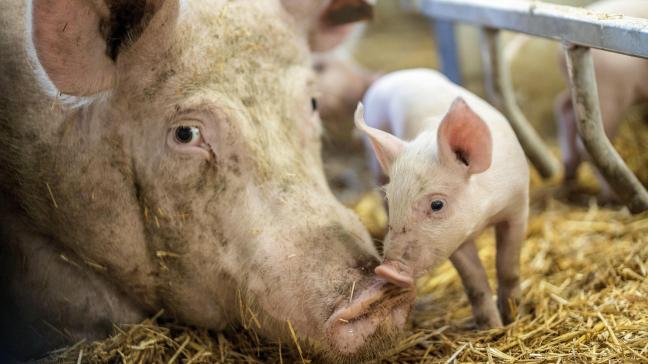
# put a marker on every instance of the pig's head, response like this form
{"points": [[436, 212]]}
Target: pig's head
{"points": [[193, 172], [431, 207]]}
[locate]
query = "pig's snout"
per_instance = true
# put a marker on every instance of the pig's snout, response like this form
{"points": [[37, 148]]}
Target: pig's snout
{"points": [[397, 273], [378, 305]]}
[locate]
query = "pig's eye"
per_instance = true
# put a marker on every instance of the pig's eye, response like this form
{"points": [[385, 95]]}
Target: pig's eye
{"points": [[314, 104], [187, 135], [437, 205], [188, 138]]}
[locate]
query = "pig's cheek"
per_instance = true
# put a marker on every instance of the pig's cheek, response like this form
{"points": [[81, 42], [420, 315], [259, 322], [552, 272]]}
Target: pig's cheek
{"points": [[198, 152], [314, 126], [194, 175], [311, 131]]}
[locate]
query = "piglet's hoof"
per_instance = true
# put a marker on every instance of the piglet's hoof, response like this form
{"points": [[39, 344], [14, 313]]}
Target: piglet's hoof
{"points": [[396, 273]]}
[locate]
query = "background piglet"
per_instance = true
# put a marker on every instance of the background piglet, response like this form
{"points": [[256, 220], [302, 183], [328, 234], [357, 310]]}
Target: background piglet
{"points": [[621, 82], [455, 167], [341, 84]]}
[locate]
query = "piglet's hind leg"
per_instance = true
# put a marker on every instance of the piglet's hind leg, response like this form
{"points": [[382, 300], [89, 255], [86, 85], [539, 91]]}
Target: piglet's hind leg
{"points": [[475, 282], [510, 235]]}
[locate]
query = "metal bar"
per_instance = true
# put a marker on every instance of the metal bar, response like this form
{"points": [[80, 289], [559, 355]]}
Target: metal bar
{"points": [[499, 90], [447, 49], [490, 47], [580, 67], [611, 32]]}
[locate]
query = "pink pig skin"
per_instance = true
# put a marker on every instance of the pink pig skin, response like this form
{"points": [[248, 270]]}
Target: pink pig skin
{"points": [[448, 148]]}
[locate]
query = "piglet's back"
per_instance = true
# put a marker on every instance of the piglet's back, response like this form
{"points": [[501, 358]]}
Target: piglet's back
{"points": [[409, 102]]}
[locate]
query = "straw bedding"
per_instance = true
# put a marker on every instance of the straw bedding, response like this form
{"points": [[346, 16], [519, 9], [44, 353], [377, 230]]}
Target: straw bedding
{"points": [[585, 299]]}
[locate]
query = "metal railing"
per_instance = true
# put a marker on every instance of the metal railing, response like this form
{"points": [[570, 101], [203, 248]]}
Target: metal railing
{"points": [[578, 30]]}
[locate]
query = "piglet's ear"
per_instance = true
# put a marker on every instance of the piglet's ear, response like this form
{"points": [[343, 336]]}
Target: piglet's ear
{"points": [[386, 146], [78, 41], [464, 139]]}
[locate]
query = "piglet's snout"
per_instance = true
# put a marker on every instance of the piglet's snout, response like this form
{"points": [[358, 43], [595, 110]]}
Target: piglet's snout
{"points": [[396, 272]]}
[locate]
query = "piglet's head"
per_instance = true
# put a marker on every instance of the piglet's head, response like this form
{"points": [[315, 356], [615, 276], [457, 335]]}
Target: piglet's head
{"points": [[433, 203]]}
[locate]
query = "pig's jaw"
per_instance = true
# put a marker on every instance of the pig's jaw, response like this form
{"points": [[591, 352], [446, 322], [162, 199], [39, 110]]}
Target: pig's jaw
{"points": [[381, 304]]}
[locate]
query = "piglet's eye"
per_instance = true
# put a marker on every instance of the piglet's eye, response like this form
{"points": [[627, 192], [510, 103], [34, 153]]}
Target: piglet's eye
{"points": [[437, 205], [187, 135], [314, 104]]}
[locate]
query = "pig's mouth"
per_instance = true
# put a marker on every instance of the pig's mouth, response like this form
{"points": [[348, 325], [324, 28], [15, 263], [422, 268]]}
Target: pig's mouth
{"points": [[380, 305]]}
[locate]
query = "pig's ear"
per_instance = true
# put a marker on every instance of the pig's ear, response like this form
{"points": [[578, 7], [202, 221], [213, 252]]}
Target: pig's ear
{"points": [[335, 23], [386, 146], [464, 139], [328, 22], [340, 12], [77, 42]]}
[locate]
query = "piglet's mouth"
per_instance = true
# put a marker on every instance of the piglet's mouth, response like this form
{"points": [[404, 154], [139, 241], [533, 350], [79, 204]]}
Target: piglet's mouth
{"points": [[380, 304]]}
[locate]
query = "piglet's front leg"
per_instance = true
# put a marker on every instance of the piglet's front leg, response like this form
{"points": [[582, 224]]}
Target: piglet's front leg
{"points": [[475, 282]]}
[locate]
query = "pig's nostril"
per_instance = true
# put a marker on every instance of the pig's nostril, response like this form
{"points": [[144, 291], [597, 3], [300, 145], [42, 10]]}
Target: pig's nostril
{"points": [[377, 304], [395, 273]]}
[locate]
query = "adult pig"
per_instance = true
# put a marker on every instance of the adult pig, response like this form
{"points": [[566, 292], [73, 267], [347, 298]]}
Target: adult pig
{"points": [[455, 167], [621, 82], [165, 155]]}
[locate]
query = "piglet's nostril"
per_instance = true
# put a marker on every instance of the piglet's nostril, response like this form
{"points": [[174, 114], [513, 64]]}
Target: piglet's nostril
{"points": [[396, 273]]}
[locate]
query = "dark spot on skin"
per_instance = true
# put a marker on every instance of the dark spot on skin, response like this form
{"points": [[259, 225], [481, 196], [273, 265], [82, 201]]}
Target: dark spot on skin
{"points": [[217, 232], [248, 101], [233, 165], [343, 289], [342, 235], [319, 67], [160, 80], [204, 181], [411, 250], [137, 187]]}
